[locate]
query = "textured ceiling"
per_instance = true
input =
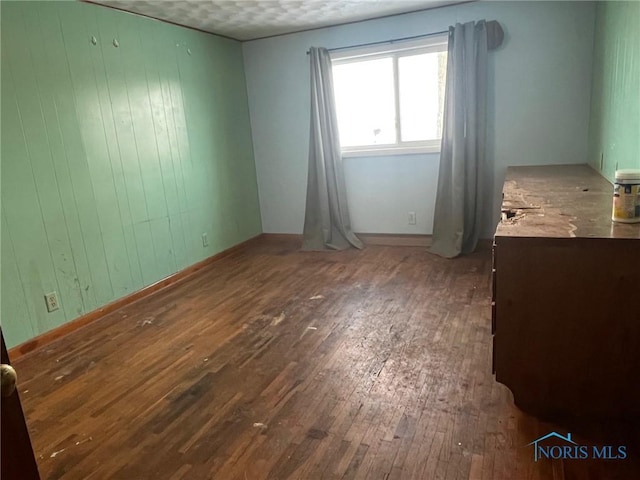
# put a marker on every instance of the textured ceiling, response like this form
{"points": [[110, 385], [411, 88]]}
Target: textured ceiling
{"points": [[251, 19]]}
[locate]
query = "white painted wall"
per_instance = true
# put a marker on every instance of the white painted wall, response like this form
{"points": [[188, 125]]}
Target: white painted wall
{"points": [[382, 190], [539, 94]]}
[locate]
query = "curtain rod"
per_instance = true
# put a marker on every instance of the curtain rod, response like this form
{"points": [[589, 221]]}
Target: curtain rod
{"points": [[393, 40]]}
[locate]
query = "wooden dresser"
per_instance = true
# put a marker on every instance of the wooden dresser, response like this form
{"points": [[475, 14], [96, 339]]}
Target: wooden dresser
{"points": [[566, 296]]}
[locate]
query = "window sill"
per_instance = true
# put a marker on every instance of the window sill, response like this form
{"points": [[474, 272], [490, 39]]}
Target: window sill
{"points": [[389, 151]]}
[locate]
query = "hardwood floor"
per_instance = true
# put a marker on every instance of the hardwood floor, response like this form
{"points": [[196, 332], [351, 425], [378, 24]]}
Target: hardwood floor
{"points": [[279, 364]]}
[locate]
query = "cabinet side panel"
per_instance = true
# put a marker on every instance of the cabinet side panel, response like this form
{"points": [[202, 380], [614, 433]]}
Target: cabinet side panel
{"points": [[568, 335]]}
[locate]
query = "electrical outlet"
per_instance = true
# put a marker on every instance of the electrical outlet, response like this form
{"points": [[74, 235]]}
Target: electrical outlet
{"points": [[52, 301], [412, 218], [205, 242]]}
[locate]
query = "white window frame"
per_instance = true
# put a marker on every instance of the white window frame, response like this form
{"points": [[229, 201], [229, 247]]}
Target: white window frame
{"points": [[395, 50]]}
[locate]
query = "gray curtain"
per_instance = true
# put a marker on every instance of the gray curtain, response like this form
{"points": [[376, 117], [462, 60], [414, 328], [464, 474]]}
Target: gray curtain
{"points": [[461, 198], [326, 222]]}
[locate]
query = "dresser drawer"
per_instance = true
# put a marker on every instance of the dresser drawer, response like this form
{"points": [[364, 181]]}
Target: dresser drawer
{"points": [[493, 318], [494, 268]]}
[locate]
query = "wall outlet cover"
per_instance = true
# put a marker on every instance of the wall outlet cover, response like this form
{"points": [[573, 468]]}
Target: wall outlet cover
{"points": [[51, 300]]}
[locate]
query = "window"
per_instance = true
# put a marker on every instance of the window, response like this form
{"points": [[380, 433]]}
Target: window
{"points": [[390, 98]]}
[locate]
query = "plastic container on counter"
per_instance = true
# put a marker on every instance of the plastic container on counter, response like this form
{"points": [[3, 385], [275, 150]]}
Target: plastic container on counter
{"points": [[626, 196]]}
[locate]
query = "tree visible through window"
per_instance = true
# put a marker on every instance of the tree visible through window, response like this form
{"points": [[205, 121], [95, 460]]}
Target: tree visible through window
{"points": [[391, 97]]}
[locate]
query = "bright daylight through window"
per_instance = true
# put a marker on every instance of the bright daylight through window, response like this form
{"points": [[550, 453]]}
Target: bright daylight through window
{"points": [[390, 98]]}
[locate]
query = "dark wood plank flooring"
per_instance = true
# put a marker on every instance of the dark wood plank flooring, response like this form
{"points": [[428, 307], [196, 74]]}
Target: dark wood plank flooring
{"points": [[279, 364]]}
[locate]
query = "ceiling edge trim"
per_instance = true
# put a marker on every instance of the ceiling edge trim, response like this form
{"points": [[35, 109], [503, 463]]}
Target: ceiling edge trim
{"points": [[359, 21], [92, 2], [169, 22]]}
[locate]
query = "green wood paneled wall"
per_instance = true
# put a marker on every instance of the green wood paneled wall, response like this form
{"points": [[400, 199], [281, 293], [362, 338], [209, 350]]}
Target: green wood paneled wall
{"points": [[614, 130], [115, 159]]}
